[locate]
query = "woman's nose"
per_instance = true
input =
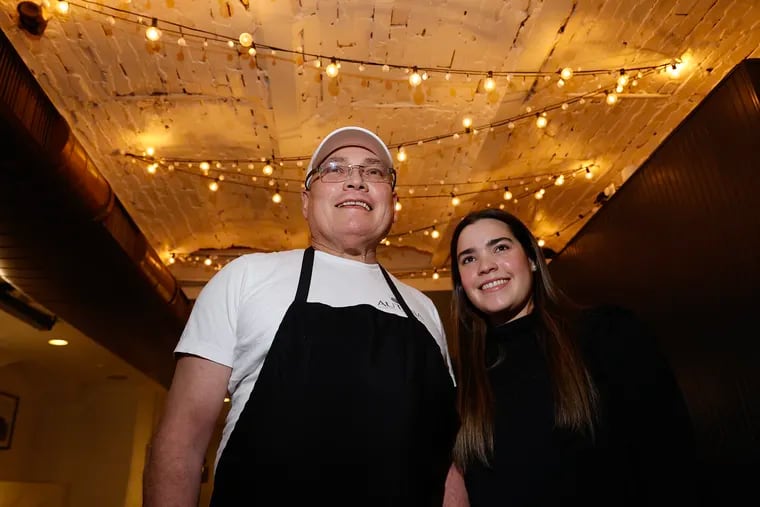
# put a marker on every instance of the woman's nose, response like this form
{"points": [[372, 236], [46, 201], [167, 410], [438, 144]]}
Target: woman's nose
{"points": [[486, 265]]}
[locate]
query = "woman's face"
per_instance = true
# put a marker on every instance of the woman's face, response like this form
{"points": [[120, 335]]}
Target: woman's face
{"points": [[496, 273]]}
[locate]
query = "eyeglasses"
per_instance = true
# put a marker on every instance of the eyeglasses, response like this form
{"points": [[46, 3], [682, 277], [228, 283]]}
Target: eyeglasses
{"points": [[335, 172]]}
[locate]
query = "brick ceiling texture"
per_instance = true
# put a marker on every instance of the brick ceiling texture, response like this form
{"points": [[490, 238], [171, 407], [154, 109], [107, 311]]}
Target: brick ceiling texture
{"points": [[205, 98]]}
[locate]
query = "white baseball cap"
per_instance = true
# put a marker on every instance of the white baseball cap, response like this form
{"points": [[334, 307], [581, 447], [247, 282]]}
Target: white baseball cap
{"points": [[344, 137]]}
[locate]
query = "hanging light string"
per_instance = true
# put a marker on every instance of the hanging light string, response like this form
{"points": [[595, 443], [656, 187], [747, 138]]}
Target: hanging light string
{"points": [[217, 259], [246, 42], [235, 177], [401, 148]]}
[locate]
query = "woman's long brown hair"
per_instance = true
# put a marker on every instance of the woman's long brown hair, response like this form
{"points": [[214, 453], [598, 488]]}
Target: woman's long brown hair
{"points": [[574, 391]]}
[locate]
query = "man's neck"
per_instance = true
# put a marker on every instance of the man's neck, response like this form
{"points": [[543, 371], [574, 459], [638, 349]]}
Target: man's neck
{"points": [[366, 254]]}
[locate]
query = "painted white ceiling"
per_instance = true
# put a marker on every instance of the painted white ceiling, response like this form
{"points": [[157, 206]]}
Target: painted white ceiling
{"points": [[122, 94]]}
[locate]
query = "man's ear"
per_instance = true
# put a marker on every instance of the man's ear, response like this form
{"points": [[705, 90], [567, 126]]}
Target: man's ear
{"points": [[305, 196]]}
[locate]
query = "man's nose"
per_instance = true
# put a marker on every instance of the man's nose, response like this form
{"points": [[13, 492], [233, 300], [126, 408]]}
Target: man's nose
{"points": [[354, 178]]}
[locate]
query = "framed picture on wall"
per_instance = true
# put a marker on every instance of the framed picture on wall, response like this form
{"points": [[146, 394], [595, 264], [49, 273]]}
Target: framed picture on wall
{"points": [[8, 410]]}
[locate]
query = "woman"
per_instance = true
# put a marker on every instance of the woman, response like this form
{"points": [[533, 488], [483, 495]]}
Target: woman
{"points": [[557, 403]]}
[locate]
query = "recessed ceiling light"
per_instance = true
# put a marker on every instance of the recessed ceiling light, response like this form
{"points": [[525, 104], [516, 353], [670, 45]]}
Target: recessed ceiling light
{"points": [[58, 342]]}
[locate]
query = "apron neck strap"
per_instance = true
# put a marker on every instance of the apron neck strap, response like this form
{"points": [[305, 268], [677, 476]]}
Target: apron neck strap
{"points": [[304, 281], [396, 293]]}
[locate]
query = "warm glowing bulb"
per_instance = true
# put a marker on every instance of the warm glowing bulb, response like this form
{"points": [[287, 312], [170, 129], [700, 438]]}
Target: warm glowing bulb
{"points": [[152, 168], [541, 242], [58, 342], [436, 276], [172, 259], [276, 198], [589, 174], [541, 122], [622, 80], [612, 98], [414, 78], [539, 195], [674, 70], [435, 234], [489, 84], [152, 33], [566, 73], [150, 151], [560, 180], [204, 166], [213, 186], [207, 261], [398, 206], [507, 194], [467, 122], [252, 51], [62, 7], [267, 169], [561, 82], [401, 155], [246, 39], [181, 41], [332, 69], [455, 201]]}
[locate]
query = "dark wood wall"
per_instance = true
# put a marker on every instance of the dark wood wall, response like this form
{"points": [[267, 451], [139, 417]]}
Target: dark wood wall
{"points": [[679, 243]]}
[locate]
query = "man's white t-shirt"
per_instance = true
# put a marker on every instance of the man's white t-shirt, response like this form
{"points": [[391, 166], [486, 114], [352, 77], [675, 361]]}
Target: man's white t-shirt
{"points": [[239, 311]]}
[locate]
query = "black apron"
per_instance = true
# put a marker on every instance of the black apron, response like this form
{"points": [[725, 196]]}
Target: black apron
{"points": [[353, 406]]}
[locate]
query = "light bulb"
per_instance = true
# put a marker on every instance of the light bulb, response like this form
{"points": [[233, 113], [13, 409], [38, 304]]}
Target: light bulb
{"points": [[566, 73], [541, 122], [246, 39], [467, 122], [58, 342], [332, 68], [507, 194], [152, 33], [455, 201], [435, 234], [541, 242], [401, 155], [62, 7], [213, 186], [276, 197], [252, 51], [398, 206], [612, 98], [489, 84], [267, 169], [205, 166], [150, 151], [414, 78]]}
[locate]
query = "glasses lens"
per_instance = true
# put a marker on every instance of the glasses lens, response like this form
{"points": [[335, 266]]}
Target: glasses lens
{"points": [[335, 173]]}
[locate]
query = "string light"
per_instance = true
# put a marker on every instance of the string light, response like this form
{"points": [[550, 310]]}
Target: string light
{"points": [[245, 39], [332, 68], [414, 78], [152, 33], [489, 84], [419, 73]]}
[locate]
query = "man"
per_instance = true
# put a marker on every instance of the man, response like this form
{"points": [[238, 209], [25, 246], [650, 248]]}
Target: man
{"points": [[339, 375]]}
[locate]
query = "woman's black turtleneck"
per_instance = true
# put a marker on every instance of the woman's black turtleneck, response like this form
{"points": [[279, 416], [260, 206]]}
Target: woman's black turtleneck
{"points": [[642, 429]]}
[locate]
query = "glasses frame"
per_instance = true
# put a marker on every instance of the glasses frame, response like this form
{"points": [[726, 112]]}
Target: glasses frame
{"points": [[315, 174]]}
